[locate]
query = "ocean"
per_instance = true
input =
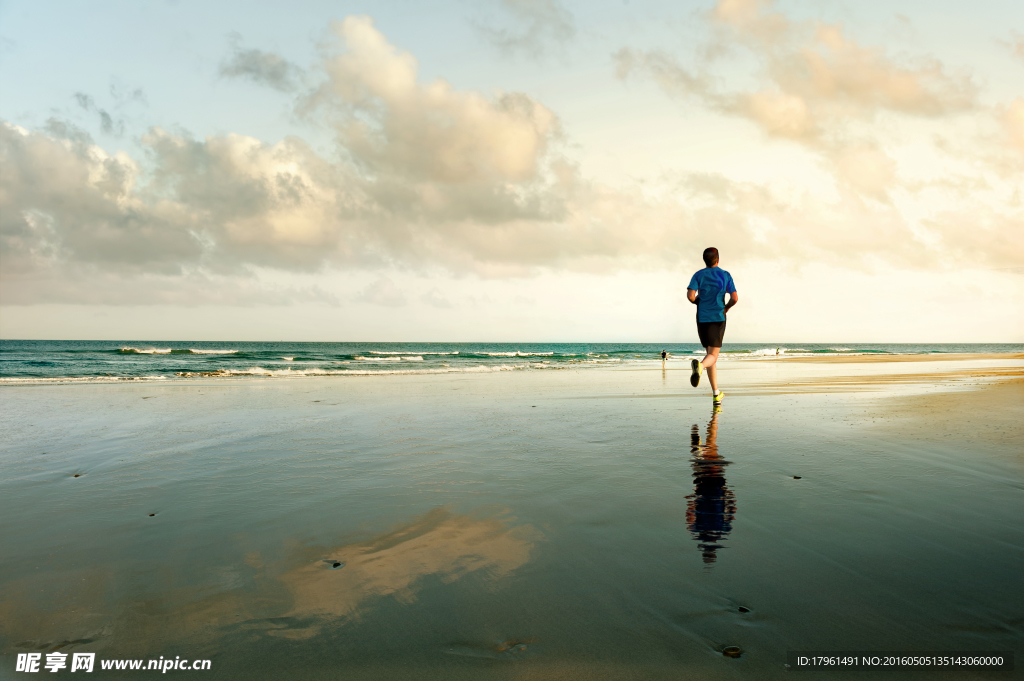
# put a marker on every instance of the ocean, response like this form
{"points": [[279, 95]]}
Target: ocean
{"points": [[45, 361]]}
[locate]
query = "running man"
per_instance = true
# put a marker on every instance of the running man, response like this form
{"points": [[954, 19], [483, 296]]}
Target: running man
{"points": [[707, 291]]}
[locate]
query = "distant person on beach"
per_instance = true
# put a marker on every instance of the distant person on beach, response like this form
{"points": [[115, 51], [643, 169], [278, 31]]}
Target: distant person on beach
{"points": [[707, 291], [664, 356]]}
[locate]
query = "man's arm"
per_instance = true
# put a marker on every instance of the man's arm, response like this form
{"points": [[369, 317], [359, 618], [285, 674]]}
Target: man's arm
{"points": [[734, 298], [691, 295]]}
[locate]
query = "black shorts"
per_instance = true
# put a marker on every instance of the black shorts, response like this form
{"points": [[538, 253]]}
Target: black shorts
{"points": [[711, 334]]}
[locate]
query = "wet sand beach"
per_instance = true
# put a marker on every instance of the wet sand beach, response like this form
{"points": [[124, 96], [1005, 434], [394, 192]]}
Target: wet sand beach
{"points": [[562, 524]]}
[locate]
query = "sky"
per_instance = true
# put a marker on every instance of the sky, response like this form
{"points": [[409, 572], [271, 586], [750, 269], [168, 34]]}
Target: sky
{"points": [[511, 170]]}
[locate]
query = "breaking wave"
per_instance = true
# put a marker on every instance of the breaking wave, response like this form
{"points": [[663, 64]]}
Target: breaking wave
{"points": [[388, 352], [517, 353], [286, 373]]}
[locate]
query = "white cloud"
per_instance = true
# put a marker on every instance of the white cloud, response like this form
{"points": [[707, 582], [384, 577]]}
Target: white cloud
{"points": [[815, 86], [529, 27], [108, 124], [1016, 46], [84, 284], [264, 68], [429, 177], [815, 77], [451, 146], [435, 298], [382, 292], [226, 203], [279, 205], [1013, 119], [65, 197], [866, 168]]}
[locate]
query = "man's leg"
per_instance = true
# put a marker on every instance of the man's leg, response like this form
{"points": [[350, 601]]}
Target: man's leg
{"points": [[710, 362]]}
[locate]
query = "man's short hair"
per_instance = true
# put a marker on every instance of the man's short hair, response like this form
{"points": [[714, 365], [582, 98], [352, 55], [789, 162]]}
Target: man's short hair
{"points": [[710, 256]]}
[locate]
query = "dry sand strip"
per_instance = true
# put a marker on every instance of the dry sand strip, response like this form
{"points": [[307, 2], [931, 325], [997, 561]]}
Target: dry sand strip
{"points": [[836, 384], [992, 414], [980, 405], [854, 359]]}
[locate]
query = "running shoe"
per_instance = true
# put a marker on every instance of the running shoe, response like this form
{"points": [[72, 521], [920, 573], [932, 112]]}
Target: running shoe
{"points": [[718, 398], [696, 369]]}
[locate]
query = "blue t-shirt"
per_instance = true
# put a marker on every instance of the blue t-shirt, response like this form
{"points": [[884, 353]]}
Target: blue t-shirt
{"points": [[711, 284]]}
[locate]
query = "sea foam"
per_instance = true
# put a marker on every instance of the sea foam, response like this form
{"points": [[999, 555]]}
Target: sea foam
{"points": [[383, 352], [298, 373], [79, 379], [517, 353]]}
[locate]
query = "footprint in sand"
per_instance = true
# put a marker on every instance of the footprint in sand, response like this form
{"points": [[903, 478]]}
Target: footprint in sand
{"points": [[513, 649]]}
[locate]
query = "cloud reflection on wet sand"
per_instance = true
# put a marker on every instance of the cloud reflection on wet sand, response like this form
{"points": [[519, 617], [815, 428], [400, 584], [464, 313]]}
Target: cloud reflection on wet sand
{"points": [[439, 543], [294, 597]]}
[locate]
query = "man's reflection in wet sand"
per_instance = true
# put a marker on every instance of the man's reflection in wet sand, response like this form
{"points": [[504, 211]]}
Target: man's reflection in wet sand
{"points": [[712, 506]]}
